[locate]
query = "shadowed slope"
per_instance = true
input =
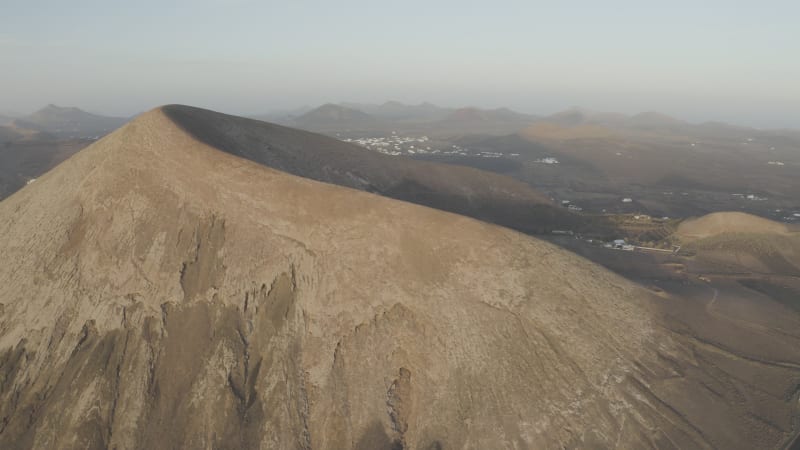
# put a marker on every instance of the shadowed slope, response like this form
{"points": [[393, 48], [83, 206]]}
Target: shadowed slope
{"points": [[165, 294], [483, 195], [23, 161]]}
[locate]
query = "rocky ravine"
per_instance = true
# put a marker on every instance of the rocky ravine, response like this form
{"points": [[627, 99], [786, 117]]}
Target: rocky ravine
{"points": [[159, 293]]}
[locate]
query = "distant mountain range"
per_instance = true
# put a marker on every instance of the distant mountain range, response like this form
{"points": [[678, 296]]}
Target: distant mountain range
{"points": [[330, 117], [33, 144], [72, 122], [66, 122], [394, 110], [427, 118], [643, 121], [396, 116]]}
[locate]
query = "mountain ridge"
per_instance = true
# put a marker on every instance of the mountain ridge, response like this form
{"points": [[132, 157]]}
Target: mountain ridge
{"points": [[475, 193], [166, 293], [69, 122]]}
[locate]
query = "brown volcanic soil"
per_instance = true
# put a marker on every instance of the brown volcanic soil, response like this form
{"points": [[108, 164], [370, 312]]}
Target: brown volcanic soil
{"points": [[731, 222], [751, 318], [162, 294], [733, 242]]}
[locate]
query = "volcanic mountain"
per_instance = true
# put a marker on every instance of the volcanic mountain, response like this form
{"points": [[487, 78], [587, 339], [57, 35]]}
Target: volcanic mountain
{"points": [[330, 117], [159, 291], [68, 122], [398, 111], [401, 113], [715, 224], [738, 242], [476, 193], [424, 118], [483, 121]]}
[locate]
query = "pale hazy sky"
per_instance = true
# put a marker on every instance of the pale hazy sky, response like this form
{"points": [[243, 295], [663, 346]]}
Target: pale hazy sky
{"points": [[736, 61]]}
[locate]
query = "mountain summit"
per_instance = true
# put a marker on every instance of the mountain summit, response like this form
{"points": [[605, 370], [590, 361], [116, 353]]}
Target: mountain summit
{"points": [[330, 117], [158, 292], [69, 122]]}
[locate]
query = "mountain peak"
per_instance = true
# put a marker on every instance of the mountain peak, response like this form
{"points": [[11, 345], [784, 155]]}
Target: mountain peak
{"points": [[68, 121], [334, 117], [167, 256], [182, 291], [53, 108]]}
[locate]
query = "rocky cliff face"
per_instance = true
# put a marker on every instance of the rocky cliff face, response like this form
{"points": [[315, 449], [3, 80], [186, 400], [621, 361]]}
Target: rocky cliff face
{"points": [[159, 293]]}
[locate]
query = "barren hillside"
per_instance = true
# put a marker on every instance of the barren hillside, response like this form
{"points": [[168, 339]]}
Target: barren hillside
{"points": [[160, 293], [732, 222], [738, 242]]}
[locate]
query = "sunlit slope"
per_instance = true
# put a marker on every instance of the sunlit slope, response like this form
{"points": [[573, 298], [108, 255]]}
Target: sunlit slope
{"points": [[159, 293]]}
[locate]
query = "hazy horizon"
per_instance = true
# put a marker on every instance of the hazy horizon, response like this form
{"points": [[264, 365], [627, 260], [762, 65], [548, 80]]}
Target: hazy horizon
{"points": [[698, 63]]}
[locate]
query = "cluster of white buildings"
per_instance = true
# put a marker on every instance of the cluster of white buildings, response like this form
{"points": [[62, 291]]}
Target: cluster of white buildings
{"points": [[793, 217], [619, 244], [568, 204], [776, 163], [752, 197], [489, 154], [547, 160], [396, 145]]}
